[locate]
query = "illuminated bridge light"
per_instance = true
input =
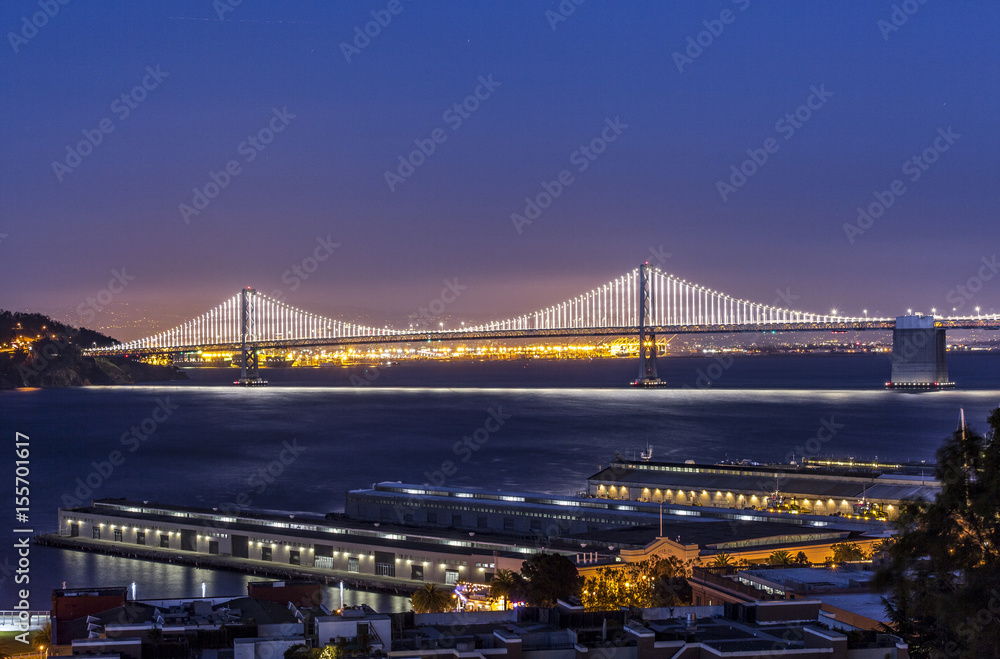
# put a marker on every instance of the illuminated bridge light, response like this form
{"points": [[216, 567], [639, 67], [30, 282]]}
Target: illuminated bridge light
{"points": [[670, 305]]}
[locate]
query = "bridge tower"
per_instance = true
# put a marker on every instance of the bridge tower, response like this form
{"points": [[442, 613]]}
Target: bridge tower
{"points": [[648, 376], [918, 355], [250, 373]]}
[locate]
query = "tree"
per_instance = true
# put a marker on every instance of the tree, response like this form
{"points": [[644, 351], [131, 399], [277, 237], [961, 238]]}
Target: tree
{"points": [[722, 559], [779, 557], [43, 638], [302, 651], [508, 586], [655, 581], [549, 577], [431, 599], [847, 551], [880, 550], [801, 558], [671, 587], [331, 652], [942, 577]]}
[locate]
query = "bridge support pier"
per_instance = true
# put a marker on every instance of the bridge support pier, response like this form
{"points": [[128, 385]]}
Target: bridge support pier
{"points": [[648, 376], [250, 371], [919, 359]]}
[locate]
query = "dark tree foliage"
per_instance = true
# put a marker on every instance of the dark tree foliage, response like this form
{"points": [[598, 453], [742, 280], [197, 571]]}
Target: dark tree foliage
{"points": [[847, 551], [508, 585], [13, 323], [36, 351], [431, 599], [942, 573], [549, 577]]}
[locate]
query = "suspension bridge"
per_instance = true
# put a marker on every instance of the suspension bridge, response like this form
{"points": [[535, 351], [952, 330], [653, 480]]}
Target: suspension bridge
{"points": [[645, 302]]}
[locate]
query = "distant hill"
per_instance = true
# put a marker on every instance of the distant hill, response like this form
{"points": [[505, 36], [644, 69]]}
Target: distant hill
{"points": [[36, 351]]}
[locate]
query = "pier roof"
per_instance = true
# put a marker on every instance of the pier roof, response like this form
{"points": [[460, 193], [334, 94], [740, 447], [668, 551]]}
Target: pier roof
{"points": [[800, 483], [718, 534], [392, 537]]}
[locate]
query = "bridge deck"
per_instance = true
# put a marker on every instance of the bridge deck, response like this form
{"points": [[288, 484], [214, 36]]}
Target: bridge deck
{"points": [[467, 335]]}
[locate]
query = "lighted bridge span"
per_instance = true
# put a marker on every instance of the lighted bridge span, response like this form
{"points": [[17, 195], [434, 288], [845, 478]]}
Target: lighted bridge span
{"points": [[645, 301]]}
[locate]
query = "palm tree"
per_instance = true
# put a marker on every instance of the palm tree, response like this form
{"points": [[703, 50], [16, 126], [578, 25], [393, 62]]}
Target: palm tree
{"points": [[430, 599], [722, 559], [505, 585], [780, 557], [43, 638]]}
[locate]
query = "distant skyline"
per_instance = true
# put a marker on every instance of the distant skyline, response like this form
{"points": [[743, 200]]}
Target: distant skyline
{"points": [[156, 158]]}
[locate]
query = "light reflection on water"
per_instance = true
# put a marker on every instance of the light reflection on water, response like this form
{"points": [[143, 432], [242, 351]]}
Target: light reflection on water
{"points": [[161, 580]]}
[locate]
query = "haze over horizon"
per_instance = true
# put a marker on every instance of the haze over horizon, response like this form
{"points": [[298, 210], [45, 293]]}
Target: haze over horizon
{"points": [[635, 120]]}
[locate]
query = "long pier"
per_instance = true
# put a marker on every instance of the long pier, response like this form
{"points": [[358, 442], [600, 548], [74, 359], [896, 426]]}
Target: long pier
{"points": [[242, 565]]}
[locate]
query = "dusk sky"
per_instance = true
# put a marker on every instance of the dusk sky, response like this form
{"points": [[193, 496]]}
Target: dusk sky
{"points": [[886, 81]]}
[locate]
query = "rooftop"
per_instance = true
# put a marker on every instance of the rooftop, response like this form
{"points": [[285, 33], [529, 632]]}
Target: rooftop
{"points": [[812, 578], [714, 534], [307, 526], [413, 495], [799, 481]]}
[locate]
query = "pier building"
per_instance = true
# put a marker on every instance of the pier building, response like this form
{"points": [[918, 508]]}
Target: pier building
{"points": [[817, 489], [387, 554]]}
